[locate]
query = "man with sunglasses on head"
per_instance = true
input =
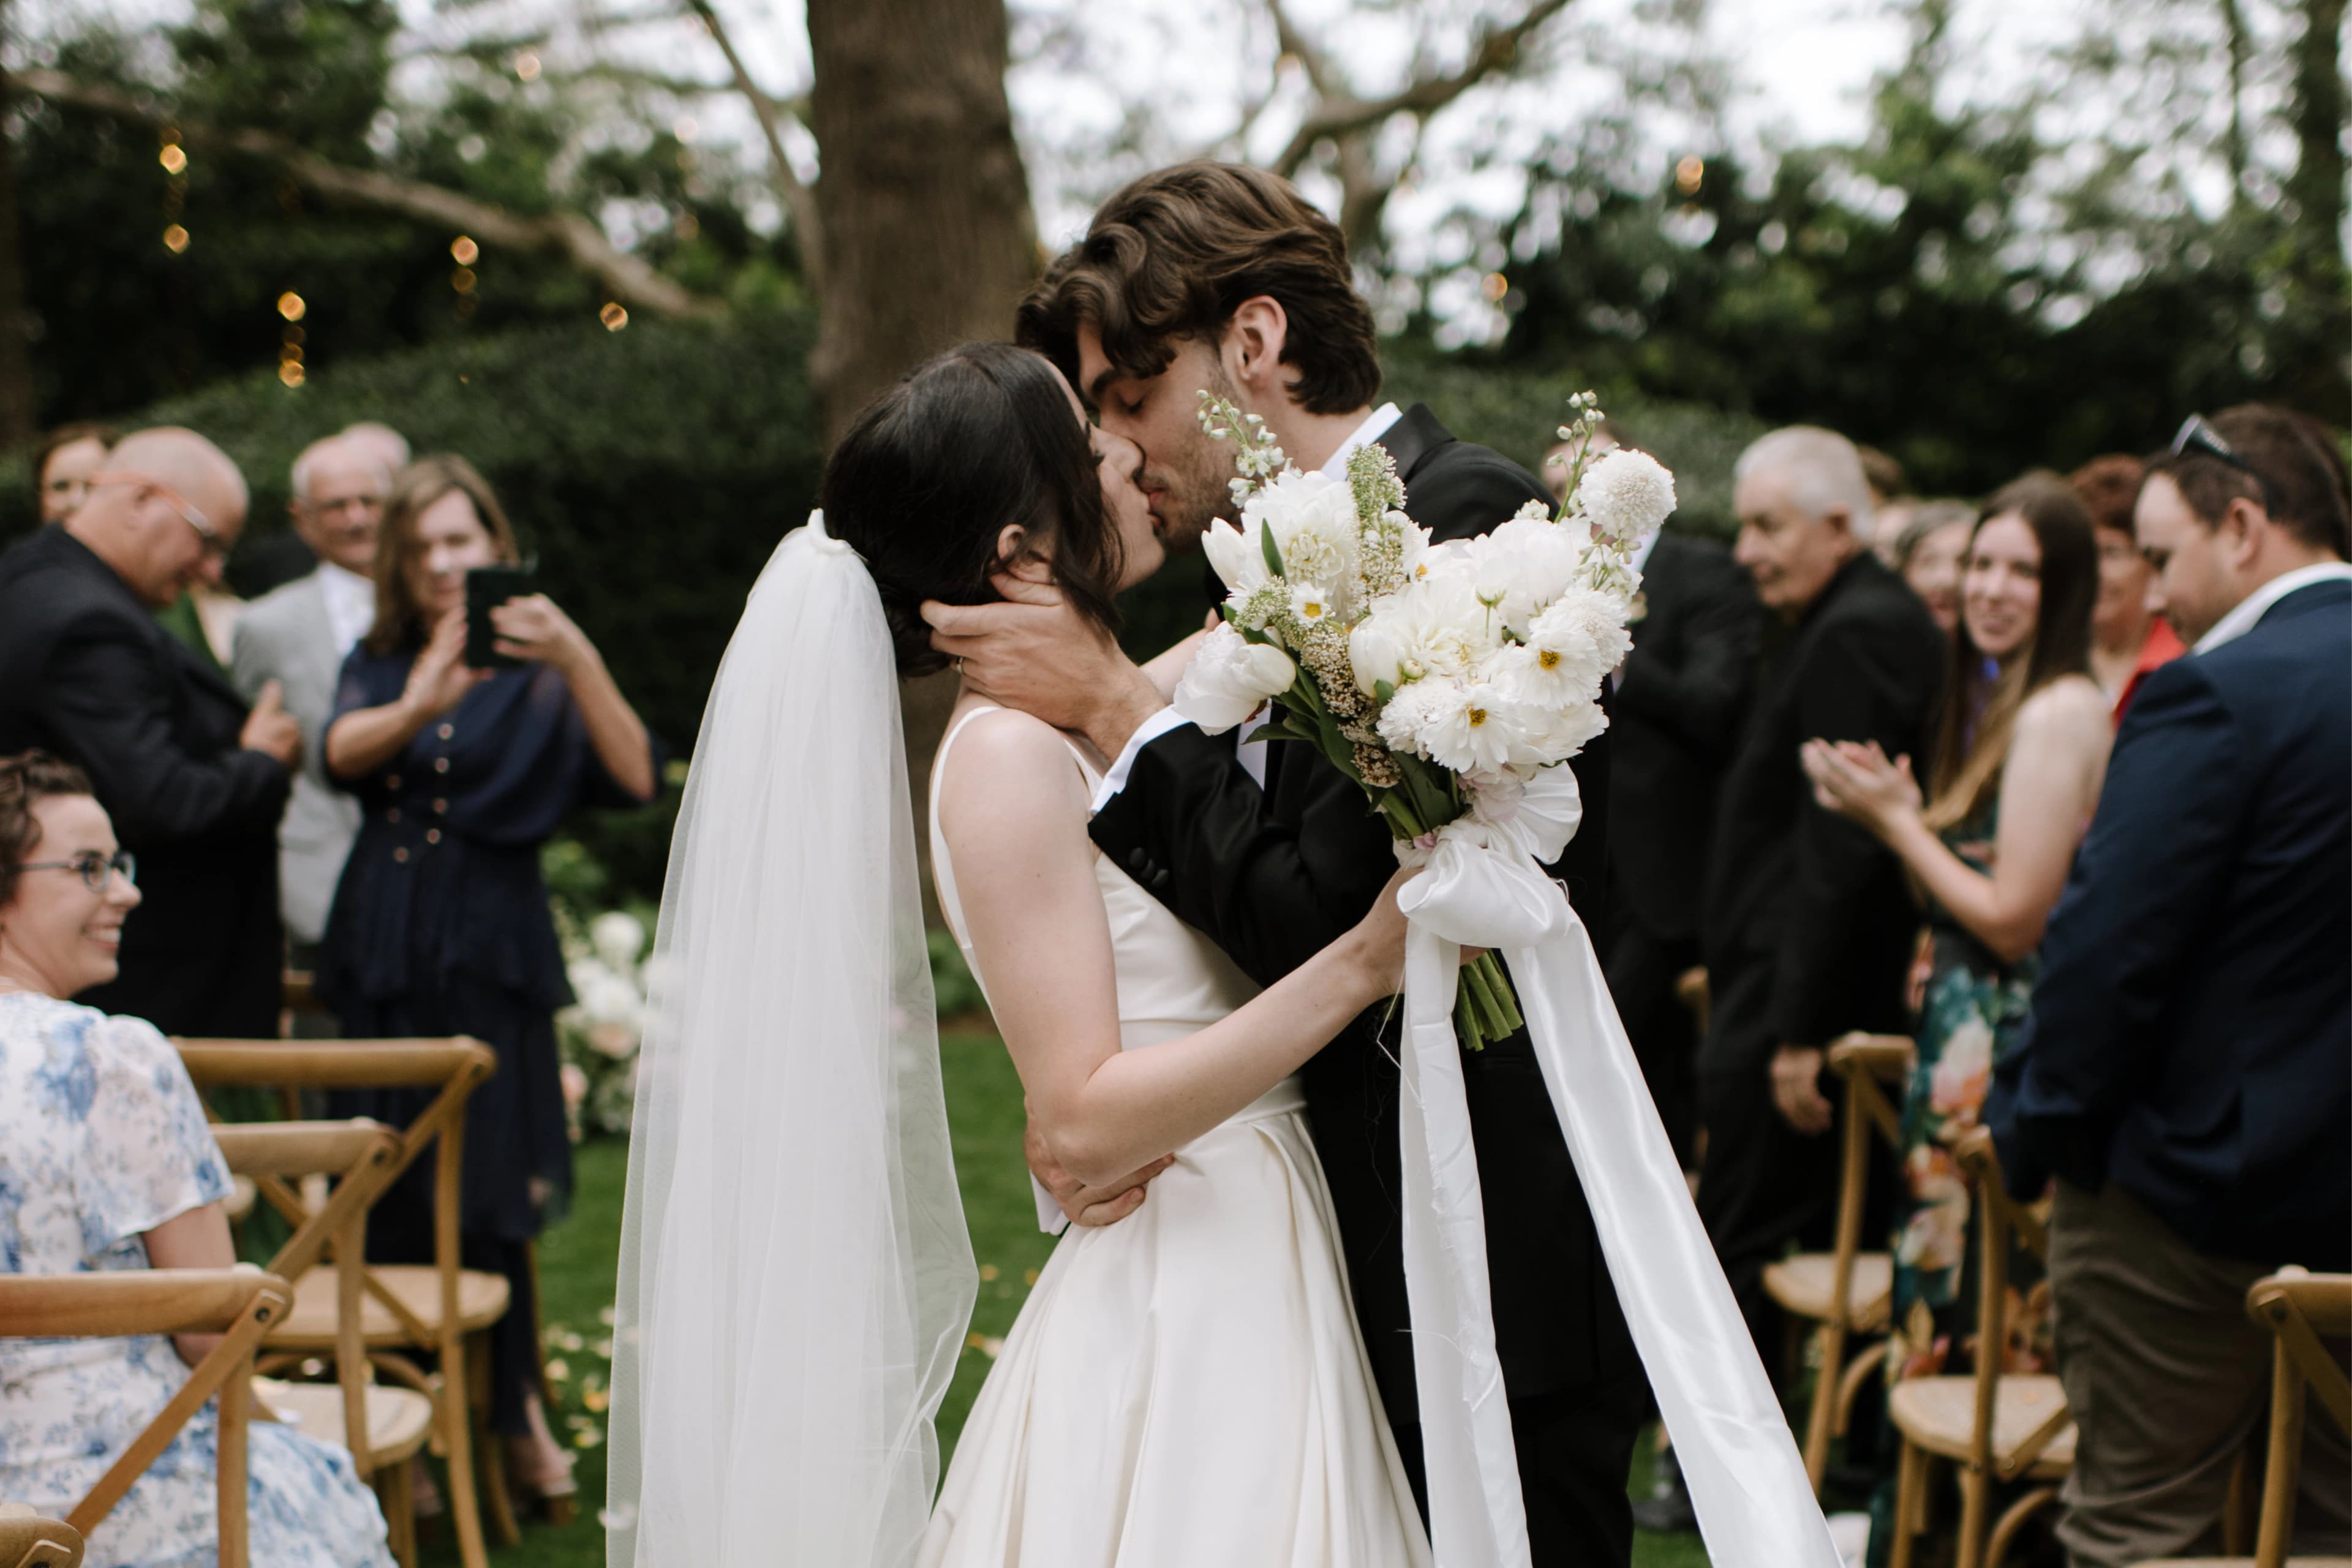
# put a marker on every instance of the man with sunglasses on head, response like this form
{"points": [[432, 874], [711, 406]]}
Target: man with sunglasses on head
{"points": [[2186, 1074], [194, 780]]}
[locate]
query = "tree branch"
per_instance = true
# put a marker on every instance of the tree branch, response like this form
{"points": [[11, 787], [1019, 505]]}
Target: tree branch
{"points": [[570, 235], [1342, 114], [798, 198]]}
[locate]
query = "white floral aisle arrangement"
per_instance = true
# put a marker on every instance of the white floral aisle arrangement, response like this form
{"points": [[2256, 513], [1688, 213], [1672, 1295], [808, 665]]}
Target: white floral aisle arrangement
{"points": [[1446, 679], [604, 1030]]}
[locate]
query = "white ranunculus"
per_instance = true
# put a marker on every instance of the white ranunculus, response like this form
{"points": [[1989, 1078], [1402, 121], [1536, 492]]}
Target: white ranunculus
{"points": [[1526, 563], [617, 938], [1626, 494], [1231, 678]]}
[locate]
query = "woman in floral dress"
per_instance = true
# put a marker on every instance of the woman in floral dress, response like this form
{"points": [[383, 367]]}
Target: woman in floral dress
{"points": [[106, 1165], [2020, 754]]}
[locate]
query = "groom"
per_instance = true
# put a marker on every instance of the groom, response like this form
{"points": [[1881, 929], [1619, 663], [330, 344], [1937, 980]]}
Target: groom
{"points": [[1219, 277]]}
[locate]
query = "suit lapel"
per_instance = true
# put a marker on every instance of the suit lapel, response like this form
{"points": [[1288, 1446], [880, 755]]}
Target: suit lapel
{"points": [[1410, 440]]}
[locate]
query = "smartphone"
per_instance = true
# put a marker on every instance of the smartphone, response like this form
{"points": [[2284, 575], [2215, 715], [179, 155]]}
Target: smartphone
{"points": [[487, 587]]}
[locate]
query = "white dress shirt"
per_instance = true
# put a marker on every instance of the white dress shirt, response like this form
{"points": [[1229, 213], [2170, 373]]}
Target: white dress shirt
{"points": [[2255, 605], [1249, 753], [350, 604]]}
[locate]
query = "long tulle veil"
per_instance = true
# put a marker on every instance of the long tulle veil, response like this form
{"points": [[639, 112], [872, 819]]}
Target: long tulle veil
{"points": [[795, 1276]]}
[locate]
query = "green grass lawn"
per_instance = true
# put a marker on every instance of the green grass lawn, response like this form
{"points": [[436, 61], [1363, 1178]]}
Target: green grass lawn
{"points": [[576, 1258]]}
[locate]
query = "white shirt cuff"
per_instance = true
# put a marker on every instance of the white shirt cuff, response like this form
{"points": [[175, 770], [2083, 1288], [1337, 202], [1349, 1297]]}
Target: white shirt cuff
{"points": [[1050, 1217], [1150, 730]]}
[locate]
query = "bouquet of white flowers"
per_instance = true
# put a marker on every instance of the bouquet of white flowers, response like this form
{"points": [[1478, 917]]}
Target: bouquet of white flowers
{"points": [[1442, 678]]}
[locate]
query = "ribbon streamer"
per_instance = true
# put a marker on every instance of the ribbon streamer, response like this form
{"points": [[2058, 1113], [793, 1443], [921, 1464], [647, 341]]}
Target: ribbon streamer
{"points": [[1483, 887]]}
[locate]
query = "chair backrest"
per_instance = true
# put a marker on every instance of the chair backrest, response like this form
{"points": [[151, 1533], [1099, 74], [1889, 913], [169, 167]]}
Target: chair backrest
{"points": [[2002, 1223], [362, 1155], [456, 1067], [239, 1304], [2299, 1309], [28, 1541], [1865, 1062]]}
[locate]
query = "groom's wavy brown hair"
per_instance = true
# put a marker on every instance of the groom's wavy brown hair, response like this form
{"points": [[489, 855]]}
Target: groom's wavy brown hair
{"points": [[1174, 255]]}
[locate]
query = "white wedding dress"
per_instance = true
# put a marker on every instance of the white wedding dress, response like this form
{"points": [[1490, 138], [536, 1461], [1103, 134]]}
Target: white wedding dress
{"points": [[1186, 1387]]}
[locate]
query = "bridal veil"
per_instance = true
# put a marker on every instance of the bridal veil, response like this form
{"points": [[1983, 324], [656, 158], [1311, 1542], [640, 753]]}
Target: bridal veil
{"points": [[795, 1276]]}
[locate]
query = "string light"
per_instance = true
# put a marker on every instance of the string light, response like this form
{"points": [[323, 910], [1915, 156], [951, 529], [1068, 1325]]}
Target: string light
{"points": [[613, 316], [464, 251], [462, 280], [1494, 286], [291, 305], [526, 66], [1690, 173], [290, 372], [174, 158], [175, 239]]}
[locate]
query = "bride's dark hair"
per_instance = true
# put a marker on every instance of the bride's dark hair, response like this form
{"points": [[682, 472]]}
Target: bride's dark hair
{"points": [[971, 442]]}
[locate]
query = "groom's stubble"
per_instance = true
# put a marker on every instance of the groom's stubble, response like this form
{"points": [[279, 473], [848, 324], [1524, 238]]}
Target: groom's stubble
{"points": [[1192, 480]]}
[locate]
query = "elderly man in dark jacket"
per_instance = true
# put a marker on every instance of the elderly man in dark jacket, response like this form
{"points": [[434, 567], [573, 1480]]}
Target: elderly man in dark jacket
{"points": [[193, 782]]}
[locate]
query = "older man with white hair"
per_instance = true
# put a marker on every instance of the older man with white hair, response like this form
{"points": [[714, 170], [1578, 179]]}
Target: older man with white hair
{"points": [[1808, 922], [298, 635]]}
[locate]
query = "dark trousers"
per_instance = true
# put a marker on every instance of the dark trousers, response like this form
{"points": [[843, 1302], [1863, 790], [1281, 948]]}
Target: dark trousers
{"points": [[1575, 1451], [2169, 1380], [1642, 970], [1763, 1184]]}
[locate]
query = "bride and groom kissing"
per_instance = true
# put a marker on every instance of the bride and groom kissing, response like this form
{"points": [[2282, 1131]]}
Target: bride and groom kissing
{"points": [[1188, 946]]}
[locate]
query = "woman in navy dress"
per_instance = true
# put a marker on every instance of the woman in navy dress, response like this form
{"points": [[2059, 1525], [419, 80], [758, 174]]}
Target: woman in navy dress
{"points": [[440, 924]]}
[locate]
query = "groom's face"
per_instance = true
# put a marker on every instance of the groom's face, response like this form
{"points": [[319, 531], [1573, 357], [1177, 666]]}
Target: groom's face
{"points": [[1184, 473]]}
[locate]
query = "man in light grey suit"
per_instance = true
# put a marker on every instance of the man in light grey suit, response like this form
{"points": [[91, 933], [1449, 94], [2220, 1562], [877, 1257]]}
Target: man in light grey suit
{"points": [[298, 636]]}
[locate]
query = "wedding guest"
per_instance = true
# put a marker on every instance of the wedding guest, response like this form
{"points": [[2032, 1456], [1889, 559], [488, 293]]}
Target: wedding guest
{"points": [[2128, 638], [63, 463], [298, 635], [1926, 556], [379, 442], [1675, 718], [2020, 751], [194, 780], [2183, 1074], [440, 924], [108, 1167], [1885, 475], [1809, 919]]}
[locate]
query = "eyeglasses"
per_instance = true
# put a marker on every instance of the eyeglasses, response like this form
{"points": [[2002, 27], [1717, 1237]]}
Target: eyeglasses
{"points": [[214, 546], [95, 869], [2197, 437]]}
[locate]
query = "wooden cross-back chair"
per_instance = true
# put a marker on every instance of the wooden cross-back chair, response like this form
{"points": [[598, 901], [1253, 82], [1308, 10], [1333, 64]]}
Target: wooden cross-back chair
{"points": [[383, 1427], [1847, 1290], [28, 1541], [1997, 1428], [240, 1304], [2299, 1309], [441, 1307]]}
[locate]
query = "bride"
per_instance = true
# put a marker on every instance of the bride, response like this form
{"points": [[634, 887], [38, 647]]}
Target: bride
{"points": [[1184, 1387]]}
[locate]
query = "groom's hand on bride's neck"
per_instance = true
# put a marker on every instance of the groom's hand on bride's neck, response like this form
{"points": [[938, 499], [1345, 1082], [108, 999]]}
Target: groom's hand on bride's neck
{"points": [[1036, 652]]}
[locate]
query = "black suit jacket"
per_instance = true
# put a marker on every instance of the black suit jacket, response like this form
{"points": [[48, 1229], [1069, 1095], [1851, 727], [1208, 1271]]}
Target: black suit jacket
{"points": [[1274, 875], [87, 673], [1800, 889], [1674, 726], [2192, 1032]]}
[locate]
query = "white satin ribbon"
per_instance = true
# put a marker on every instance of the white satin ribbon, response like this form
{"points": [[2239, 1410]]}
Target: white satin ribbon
{"points": [[1483, 887]]}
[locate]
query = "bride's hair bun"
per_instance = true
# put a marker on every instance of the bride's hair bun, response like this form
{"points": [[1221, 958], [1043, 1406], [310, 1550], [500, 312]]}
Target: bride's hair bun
{"points": [[978, 440]]}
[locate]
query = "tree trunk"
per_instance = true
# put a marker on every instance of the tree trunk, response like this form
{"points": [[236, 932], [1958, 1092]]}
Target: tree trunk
{"points": [[923, 212], [921, 197], [2315, 268], [18, 416]]}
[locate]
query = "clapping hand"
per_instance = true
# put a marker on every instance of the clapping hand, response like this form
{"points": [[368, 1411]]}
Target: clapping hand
{"points": [[1855, 780], [271, 730], [440, 677], [1797, 1089]]}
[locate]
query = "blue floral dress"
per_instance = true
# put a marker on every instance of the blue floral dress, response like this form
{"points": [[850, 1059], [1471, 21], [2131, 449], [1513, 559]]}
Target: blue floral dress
{"points": [[101, 1140]]}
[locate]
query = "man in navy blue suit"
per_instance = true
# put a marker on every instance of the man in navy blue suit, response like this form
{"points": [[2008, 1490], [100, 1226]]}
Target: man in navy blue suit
{"points": [[2188, 1074]]}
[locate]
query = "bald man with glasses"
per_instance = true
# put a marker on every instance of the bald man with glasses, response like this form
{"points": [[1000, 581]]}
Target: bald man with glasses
{"points": [[195, 780]]}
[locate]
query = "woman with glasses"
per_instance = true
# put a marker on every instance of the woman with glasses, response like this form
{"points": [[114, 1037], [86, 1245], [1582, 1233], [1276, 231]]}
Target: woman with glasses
{"points": [[106, 1165], [440, 924]]}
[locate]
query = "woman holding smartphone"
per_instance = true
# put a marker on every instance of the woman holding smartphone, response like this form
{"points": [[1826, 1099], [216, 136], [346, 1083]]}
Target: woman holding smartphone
{"points": [[440, 924]]}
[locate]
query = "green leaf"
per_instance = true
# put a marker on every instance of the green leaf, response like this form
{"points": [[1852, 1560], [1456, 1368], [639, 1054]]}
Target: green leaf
{"points": [[1383, 692], [1272, 550]]}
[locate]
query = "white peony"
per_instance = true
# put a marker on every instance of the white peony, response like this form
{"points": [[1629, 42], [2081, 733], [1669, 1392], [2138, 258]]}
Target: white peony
{"points": [[1231, 678], [1476, 728], [1626, 495], [1526, 563], [1313, 519], [609, 999], [617, 938], [1417, 708]]}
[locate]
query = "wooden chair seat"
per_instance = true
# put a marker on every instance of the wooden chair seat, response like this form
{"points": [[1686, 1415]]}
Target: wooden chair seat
{"points": [[29, 1541], [399, 1420], [1938, 1414], [1804, 1284], [481, 1302]]}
